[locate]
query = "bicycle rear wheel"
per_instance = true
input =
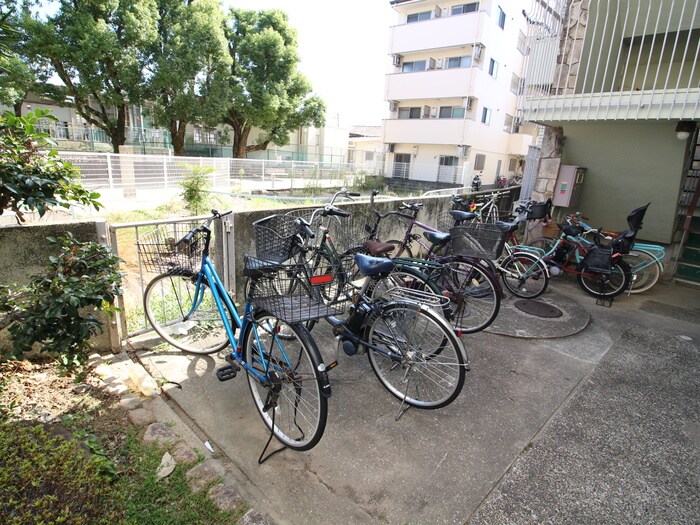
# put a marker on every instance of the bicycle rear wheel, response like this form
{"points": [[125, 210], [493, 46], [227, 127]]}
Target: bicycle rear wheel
{"points": [[168, 299], [645, 268], [602, 285], [426, 362], [475, 298], [290, 401], [525, 275]]}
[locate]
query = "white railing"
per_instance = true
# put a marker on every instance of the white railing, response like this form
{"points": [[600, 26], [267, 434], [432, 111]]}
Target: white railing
{"points": [[612, 59]]}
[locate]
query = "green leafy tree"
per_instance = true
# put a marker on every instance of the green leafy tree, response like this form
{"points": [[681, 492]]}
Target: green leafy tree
{"points": [[31, 179], [195, 188], [265, 90], [98, 49], [189, 62]]}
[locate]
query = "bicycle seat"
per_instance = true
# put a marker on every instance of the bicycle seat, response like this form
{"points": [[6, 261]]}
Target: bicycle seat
{"points": [[507, 226], [570, 230], [369, 265], [461, 216], [377, 248], [437, 237]]}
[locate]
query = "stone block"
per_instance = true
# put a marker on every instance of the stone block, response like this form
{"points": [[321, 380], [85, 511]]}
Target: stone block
{"points": [[204, 474]]}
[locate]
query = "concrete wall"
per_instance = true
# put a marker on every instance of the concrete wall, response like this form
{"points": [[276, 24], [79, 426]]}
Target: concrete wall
{"points": [[628, 164], [24, 252]]}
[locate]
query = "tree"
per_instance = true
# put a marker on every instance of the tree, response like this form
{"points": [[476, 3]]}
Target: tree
{"points": [[189, 62], [98, 49], [265, 90]]}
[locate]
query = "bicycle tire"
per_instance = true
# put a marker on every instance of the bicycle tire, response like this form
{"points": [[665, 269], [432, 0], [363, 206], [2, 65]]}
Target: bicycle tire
{"points": [[529, 286], [169, 297], [646, 270], [604, 286], [430, 362], [298, 417], [475, 297], [402, 250]]}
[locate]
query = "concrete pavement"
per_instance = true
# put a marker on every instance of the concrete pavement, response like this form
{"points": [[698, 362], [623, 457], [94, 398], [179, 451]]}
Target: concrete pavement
{"points": [[593, 417]]}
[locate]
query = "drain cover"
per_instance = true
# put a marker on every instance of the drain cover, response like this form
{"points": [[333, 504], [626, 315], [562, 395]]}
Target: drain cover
{"points": [[538, 308]]}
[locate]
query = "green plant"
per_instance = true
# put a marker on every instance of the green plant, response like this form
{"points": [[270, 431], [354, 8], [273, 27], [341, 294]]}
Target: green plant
{"points": [[55, 308], [32, 179], [195, 188]]}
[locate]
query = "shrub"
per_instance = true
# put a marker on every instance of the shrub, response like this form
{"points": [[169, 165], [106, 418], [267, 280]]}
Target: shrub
{"points": [[32, 179], [195, 188], [55, 309]]}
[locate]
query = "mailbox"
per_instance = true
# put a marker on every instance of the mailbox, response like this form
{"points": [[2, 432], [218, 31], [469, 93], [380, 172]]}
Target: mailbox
{"points": [[568, 186]]}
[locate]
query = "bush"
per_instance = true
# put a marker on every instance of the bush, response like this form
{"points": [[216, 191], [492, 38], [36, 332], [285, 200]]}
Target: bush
{"points": [[32, 179], [46, 478], [195, 188], [55, 309]]}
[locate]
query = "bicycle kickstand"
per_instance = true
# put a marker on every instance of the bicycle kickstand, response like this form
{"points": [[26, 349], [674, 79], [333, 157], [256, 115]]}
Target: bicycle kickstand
{"points": [[404, 406]]}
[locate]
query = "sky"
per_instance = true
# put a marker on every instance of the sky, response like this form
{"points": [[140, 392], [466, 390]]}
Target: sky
{"points": [[343, 46]]}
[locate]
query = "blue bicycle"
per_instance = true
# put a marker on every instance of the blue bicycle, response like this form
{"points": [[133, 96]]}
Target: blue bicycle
{"points": [[188, 306]]}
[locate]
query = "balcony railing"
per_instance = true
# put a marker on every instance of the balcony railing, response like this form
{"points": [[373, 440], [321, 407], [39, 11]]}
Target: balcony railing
{"points": [[612, 59]]}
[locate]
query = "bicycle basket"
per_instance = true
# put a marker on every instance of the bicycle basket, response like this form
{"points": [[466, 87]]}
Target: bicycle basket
{"points": [[289, 293], [478, 240], [351, 231], [597, 260], [445, 222], [275, 238], [160, 252]]}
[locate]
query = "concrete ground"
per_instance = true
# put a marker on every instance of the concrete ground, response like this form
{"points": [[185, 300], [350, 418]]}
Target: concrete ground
{"points": [[592, 417]]}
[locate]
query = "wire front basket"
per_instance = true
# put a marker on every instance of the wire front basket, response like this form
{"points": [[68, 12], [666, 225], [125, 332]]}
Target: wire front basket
{"points": [[478, 240], [288, 292], [161, 251], [275, 238]]}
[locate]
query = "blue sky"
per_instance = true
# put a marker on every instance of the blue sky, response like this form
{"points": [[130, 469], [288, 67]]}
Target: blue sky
{"points": [[343, 47]]}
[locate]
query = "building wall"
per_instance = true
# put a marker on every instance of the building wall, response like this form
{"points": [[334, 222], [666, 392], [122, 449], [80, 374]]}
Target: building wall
{"points": [[628, 164]]}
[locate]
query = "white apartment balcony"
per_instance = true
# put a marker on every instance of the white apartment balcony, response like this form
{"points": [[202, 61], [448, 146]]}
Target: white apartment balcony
{"points": [[430, 131], [613, 60], [518, 143], [436, 83], [437, 33]]}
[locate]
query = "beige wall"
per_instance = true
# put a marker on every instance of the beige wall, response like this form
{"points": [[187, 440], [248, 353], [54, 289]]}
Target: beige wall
{"points": [[628, 164]]}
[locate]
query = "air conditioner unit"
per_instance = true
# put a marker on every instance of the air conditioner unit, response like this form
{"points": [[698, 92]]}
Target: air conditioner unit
{"points": [[437, 12], [477, 52], [462, 151], [390, 148], [396, 60], [426, 112], [433, 112], [468, 102], [393, 105], [430, 63], [438, 63]]}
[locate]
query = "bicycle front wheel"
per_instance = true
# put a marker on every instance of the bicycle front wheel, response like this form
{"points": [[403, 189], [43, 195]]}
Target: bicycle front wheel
{"points": [[602, 285], [474, 295], [525, 275], [645, 268], [290, 397], [167, 301], [424, 362]]}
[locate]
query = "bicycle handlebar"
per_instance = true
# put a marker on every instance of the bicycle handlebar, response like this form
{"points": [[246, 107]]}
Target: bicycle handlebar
{"points": [[215, 214]]}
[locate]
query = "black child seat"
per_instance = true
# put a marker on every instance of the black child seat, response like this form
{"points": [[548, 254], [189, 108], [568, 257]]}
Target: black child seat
{"points": [[623, 242]]}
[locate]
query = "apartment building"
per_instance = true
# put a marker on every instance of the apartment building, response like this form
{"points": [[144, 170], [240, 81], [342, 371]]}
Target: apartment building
{"points": [[617, 83], [452, 92]]}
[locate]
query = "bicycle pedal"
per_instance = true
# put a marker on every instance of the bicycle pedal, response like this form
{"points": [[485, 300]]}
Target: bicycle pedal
{"points": [[227, 372], [331, 366]]}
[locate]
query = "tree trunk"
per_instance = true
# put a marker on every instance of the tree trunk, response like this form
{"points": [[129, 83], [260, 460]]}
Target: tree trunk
{"points": [[117, 133], [17, 108], [177, 137]]}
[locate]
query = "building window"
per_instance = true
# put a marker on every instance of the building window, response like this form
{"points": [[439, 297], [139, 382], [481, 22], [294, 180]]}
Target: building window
{"points": [[501, 18], [486, 116], [451, 112], [508, 123], [522, 43], [512, 165], [402, 165], [455, 62], [369, 155], [515, 84], [479, 161], [410, 67], [471, 7], [418, 17], [493, 68], [409, 112]]}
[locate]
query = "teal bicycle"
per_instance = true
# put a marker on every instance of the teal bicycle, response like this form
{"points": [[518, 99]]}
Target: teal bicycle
{"points": [[189, 308]]}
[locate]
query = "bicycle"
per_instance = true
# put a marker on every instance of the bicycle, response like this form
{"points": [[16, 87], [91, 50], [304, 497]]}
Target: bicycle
{"points": [[412, 349], [474, 294], [286, 374]]}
